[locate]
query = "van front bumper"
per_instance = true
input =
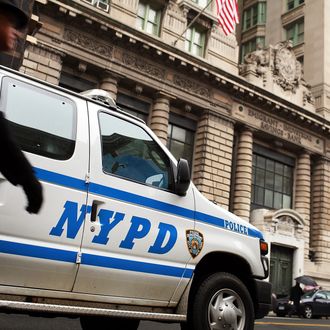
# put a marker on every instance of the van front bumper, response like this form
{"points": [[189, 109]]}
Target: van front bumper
{"points": [[263, 298]]}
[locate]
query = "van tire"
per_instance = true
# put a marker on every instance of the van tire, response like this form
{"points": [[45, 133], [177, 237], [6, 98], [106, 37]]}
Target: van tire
{"points": [[108, 323], [224, 301]]}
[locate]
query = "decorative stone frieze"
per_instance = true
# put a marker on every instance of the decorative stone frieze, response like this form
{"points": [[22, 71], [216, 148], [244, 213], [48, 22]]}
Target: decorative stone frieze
{"points": [[143, 66], [276, 69], [88, 43], [191, 86]]}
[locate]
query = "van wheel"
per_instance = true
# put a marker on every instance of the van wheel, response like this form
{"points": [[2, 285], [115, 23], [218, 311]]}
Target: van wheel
{"points": [[221, 302], [108, 323]]}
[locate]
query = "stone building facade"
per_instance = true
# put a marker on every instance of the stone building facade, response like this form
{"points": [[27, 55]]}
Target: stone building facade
{"points": [[257, 146]]}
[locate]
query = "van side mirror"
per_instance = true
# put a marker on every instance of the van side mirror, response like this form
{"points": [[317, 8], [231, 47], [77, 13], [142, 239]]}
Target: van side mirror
{"points": [[182, 181]]}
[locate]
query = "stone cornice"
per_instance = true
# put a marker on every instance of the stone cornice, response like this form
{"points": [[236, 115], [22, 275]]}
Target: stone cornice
{"points": [[199, 68]]}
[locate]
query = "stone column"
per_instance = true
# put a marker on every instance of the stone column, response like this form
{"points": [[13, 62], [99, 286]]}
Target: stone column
{"points": [[213, 157], [43, 62], [303, 193], [243, 175], [109, 83], [160, 114], [320, 222]]}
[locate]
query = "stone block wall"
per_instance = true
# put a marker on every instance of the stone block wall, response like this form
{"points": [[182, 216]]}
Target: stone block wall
{"points": [[213, 158], [43, 63]]}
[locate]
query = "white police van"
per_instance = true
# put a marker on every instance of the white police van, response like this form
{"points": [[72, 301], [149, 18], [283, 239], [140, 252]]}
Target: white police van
{"points": [[122, 235]]}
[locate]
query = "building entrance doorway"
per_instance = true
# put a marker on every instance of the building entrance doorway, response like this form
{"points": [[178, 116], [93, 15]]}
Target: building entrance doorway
{"points": [[281, 260]]}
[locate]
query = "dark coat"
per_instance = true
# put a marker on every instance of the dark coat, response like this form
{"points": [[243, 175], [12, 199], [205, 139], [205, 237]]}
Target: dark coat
{"points": [[16, 168], [296, 293]]}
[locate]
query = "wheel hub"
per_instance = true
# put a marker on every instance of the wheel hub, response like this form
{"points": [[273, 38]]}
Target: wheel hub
{"points": [[226, 311], [229, 314]]}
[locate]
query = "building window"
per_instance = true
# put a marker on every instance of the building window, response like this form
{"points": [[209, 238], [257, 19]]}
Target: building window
{"points": [[272, 175], [254, 15], [294, 3], [75, 83], [202, 3], [100, 4], [195, 40], [295, 32], [133, 106], [251, 46], [180, 137], [148, 18]]}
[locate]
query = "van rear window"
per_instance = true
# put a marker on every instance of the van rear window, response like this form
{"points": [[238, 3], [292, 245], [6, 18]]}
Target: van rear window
{"points": [[41, 122]]}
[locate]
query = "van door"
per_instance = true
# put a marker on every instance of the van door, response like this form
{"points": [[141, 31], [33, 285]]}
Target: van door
{"points": [[134, 243], [40, 251]]}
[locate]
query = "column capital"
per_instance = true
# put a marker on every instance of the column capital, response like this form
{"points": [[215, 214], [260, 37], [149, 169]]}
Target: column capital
{"points": [[243, 127], [304, 151], [107, 74], [163, 94]]}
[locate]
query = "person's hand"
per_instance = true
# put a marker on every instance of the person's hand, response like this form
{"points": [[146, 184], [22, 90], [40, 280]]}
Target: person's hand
{"points": [[33, 191]]}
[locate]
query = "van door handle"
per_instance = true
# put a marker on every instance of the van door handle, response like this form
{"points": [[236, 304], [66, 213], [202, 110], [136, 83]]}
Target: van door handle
{"points": [[95, 205]]}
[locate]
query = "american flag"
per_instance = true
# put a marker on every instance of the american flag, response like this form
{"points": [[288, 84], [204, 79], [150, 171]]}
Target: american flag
{"points": [[227, 13]]}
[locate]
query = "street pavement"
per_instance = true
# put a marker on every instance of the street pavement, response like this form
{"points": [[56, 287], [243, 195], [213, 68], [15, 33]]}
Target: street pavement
{"points": [[24, 322]]}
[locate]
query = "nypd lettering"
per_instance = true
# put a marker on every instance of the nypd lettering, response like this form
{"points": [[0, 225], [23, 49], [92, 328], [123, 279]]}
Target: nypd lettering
{"points": [[238, 228], [139, 228]]}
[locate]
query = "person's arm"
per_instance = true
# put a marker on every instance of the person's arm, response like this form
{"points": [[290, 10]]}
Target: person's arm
{"points": [[16, 168]]}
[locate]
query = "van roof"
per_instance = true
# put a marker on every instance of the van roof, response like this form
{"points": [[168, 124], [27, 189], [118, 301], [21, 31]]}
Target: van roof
{"points": [[90, 96]]}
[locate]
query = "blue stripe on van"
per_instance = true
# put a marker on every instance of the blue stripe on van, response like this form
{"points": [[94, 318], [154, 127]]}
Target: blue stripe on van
{"points": [[42, 252], [136, 266], [60, 179], [125, 196], [140, 200]]}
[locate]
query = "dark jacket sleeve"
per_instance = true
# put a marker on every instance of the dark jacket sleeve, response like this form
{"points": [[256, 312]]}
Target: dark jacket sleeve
{"points": [[13, 164]]}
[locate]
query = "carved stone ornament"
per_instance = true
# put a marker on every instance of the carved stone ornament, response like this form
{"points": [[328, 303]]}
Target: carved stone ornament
{"points": [[285, 222], [280, 223], [277, 69], [191, 86], [88, 43], [287, 70], [143, 66]]}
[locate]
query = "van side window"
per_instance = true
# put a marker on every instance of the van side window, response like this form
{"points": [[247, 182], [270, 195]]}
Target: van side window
{"points": [[129, 152], [42, 122]]}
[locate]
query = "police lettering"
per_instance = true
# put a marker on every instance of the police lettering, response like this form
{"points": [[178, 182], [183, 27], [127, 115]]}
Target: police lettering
{"points": [[139, 228], [236, 227]]}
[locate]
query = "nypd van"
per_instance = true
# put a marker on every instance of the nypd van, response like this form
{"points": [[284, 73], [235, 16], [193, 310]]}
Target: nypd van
{"points": [[123, 235]]}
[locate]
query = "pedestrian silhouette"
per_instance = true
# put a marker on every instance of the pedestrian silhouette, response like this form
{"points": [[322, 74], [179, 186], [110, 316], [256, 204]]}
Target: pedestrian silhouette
{"points": [[13, 164], [295, 294]]}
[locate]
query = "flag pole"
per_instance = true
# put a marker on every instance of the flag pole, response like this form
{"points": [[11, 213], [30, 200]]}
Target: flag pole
{"points": [[191, 23]]}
